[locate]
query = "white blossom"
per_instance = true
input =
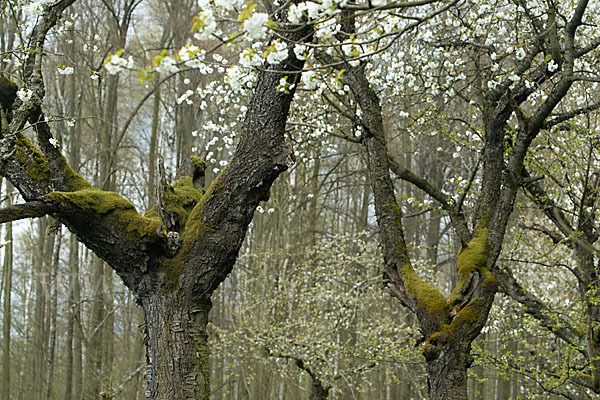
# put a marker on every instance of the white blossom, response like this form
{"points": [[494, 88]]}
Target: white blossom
{"points": [[300, 51], [63, 70], [24, 94], [35, 8], [255, 26], [277, 52], [167, 66], [205, 24], [520, 53], [116, 64], [236, 77], [185, 97], [295, 13], [250, 58], [309, 81]]}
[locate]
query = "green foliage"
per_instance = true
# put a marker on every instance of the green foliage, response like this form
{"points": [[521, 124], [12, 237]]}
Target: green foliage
{"points": [[325, 307]]}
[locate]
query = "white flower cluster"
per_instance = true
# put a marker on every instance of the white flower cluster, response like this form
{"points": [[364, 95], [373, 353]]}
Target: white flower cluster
{"points": [[35, 8], [192, 56], [64, 70], [250, 57], [301, 51], [24, 94], [186, 97], [255, 26], [167, 66], [309, 80], [115, 64], [224, 4], [314, 10], [205, 24], [238, 78], [277, 52]]}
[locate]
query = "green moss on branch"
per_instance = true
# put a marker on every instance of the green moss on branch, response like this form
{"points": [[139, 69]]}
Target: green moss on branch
{"points": [[31, 159], [472, 258], [109, 208], [427, 296]]}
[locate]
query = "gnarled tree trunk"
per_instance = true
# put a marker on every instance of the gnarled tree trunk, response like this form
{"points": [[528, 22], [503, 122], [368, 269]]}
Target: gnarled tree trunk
{"points": [[176, 255]]}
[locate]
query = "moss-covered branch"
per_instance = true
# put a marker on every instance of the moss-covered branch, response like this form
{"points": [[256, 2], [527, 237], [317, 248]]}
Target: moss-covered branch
{"points": [[471, 266]]}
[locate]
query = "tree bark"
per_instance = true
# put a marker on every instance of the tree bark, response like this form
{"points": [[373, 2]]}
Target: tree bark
{"points": [[39, 317], [447, 374], [70, 325], [174, 290], [177, 350], [318, 391], [6, 319], [52, 313]]}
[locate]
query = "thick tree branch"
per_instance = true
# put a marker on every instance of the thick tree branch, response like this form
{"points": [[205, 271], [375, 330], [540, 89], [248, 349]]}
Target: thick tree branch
{"points": [[218, 224], [456, 216]]}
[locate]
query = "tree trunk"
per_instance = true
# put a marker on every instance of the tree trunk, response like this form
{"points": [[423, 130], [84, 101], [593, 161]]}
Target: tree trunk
{"points": [[318, 391], [94, 353], [52, 314], [70, 324], [39, 327], [447, 374], [176, 347], [6, 319]]}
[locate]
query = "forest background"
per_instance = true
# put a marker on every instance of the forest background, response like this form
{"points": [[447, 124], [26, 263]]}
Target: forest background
{"points": [[135, 87]]}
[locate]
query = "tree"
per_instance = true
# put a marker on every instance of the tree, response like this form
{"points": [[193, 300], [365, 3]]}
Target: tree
{"points": [[553, 263], [175, 256], [513, 106]]}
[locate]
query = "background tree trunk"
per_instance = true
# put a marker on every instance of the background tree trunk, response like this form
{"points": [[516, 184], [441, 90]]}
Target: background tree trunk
{"points": [[6, 318]]}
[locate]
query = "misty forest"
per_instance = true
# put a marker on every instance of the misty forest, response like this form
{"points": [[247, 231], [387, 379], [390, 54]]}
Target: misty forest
{"points": [[299, 199]]}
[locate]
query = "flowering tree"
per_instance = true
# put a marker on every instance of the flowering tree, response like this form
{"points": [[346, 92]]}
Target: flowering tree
{"points": [[514, 80], [176, 255], [553, 261]]}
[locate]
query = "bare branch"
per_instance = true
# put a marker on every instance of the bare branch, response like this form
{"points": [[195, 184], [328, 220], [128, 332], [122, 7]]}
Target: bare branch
{"points": [[31, 209]]}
